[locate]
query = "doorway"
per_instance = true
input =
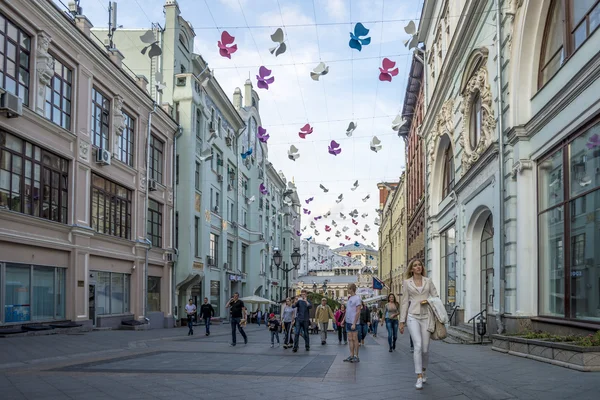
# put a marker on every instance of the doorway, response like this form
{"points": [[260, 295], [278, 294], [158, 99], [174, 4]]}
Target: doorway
{"points": [[92, 303], [487, 266]]}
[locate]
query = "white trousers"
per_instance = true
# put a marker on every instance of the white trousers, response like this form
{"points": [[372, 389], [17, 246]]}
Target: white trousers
{"points": [[420, 336]]}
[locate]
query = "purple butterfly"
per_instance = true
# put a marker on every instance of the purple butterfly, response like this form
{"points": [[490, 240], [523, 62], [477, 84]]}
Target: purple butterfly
{"points": [[263, 81], [262, 135], [334, 148], [263, 189], [298, 233], [306, 211], [317, 218], [593, 142], [309, 200]]}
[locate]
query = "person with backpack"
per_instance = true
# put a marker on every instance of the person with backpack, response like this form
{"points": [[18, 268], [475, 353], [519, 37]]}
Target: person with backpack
{"points": [[207, 312], [322, 316]]}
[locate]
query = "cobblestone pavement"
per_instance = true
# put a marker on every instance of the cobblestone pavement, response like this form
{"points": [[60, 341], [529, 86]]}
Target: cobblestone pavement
{"points": [[167, 363]]}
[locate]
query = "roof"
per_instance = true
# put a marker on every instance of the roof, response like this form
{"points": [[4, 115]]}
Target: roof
{"points": [[415, 78], [319, 280], [352, 247]]}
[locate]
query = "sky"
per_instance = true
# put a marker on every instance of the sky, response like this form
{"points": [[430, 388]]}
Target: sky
{"points": [[315, 31]]}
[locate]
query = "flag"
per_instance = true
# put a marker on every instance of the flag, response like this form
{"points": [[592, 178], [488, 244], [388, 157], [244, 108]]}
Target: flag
{"points": [[377, 284]]}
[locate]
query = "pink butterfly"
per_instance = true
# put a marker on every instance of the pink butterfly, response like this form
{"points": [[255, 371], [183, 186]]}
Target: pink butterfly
{"points": [[327, 228], [262, 135], [334, 148], [387, 72], [305, 130], [342, 245], [355, 222], [226, 39], [349, 254], [348, 238], [263, 81]]}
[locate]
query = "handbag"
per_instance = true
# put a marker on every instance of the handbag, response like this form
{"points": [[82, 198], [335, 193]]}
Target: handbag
{"points": [[440, 332]]}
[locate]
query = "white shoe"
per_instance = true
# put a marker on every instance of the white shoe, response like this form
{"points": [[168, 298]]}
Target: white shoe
{"points": [[272, 346], [424, 377], [419, 384]]}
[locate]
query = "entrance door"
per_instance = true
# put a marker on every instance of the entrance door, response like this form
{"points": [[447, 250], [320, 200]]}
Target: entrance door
{"points": [[92, 303], [487, 265]]}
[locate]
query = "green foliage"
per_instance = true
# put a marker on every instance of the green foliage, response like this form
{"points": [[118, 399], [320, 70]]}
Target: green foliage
{"points": [[590, 340], [315, 298]]}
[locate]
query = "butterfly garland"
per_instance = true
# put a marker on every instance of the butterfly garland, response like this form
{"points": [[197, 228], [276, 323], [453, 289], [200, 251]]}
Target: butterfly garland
{"points": [[224, 49]]}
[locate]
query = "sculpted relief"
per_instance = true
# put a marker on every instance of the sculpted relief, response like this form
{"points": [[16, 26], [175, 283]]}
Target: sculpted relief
{"points": [[444, 124]]}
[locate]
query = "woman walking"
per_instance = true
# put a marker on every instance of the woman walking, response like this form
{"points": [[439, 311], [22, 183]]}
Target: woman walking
{"points": [[364, 322], [340, 317], [288, 314], [392, 310], [417, 288], [374, 321]]}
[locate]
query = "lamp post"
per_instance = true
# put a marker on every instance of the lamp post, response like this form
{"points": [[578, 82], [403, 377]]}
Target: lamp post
{"points": [[324, 289], [278, 257]]}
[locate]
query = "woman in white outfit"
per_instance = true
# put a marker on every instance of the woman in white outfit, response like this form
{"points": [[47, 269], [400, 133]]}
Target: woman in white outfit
{"points": [[416, 289]]}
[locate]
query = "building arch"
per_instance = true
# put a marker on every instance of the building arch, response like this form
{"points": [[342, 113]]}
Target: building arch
{"points": [[439, 166]]}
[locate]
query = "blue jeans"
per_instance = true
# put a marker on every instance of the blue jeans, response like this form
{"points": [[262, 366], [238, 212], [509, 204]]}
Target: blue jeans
{"points": [[207, 324], [392, 328], [374, 326], [190, 324], [235, 323], [363, 330], [302, 325], [274, 334], [258, 320]]}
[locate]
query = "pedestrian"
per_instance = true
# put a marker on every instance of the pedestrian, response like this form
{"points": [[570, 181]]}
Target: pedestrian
{"points": [[288, 316], [207, 312], [417, 288], [190, 308], [258, 317], [364, 322], [238, 313], [374, 321], [340, 317], [352, 315], [302, 305], [392, 310], [322, 316], [273, 327]]}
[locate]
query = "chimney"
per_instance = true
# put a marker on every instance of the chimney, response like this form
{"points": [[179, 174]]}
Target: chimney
{"points": [[83, 24], [167, 108], [237, 98], [248, 93], [142, 82], [116, 56]]}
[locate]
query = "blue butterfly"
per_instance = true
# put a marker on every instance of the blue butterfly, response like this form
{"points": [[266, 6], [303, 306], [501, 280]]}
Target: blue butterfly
{"points": [[309, 239], [355, 41], [356, 244], [246, 154]]}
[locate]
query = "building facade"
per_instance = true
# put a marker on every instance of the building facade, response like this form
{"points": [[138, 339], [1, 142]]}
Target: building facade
{"points": [[366, 255], [85, 221]]}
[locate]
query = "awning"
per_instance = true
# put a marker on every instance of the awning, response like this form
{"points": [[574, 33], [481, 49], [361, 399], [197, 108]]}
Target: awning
{"points": [[190, 280]]}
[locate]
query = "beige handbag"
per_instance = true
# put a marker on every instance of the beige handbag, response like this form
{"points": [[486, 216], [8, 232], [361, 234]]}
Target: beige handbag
{"points": [[440, 332]]}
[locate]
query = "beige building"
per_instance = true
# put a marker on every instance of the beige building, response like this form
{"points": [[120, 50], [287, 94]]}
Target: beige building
{"points": [[336, 286], [81, 238]]}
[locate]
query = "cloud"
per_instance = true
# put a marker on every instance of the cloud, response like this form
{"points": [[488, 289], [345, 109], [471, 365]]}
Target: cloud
{"points": [[234, 4], [336, 9]]}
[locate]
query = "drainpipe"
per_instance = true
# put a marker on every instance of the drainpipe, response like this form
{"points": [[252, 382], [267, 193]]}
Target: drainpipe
{"points": [[173, 275], [238, 248], [502, 305], [148, 243]]}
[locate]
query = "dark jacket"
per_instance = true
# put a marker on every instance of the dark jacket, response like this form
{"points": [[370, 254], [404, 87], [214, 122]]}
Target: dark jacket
{"points": [[365, 316], [303, 307], [207, 311]]}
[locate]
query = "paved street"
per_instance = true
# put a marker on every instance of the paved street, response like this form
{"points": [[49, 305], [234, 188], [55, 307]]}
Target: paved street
{"points": [[164, 364]]}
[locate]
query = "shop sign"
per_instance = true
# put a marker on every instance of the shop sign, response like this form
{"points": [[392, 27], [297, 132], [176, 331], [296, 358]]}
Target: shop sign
{"points": [[235, 278]]}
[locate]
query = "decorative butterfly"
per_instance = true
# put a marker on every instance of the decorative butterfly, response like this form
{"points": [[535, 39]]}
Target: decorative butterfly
{"points": [[327, 214], [329, 237], [593, 141], [357, 232], [251, 199], [306, 211], [355, 186], [319, 71], [375, 144], [262, 134], [333, 223], [367, 228], [298, 233], [324, 188], [348, 238], [309, 200], [303, 229], [363, 238], [355, 41], [318, 218], [342, 245], [366, 198], [351, 128], [387, 70], [340, 198], [342, 216], [206, 155], [377, 221], [327, 228], [263, 189], [305, 130], [345, 229], [364, 215], [160, 85], [411, 29], [309, 239], [355, 222], [372, 245], [226, 39], [150, 39], [371, 257], [293, 153], [212, 137], [277, 37], [263, 81], [338, 234], [397, 123], [247, 154], [312, 225], [348, 253], [317, 233], [334, 148], [354, 213], [356, 244]]}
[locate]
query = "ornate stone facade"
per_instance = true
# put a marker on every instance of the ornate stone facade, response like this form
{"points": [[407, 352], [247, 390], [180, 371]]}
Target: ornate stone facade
{"points": [[444, 124], [44, 68]]}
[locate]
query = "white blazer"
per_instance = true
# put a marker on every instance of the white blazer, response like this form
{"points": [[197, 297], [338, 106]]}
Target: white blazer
{"points": [[412, 295]]}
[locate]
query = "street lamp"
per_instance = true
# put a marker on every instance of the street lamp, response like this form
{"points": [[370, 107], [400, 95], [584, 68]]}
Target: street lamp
{"points": [[277, 258], [315, 287], [325, 289]]}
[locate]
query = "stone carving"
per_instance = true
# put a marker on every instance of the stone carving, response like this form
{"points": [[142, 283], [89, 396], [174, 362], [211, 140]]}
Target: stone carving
{"points": [[444, 124], [170, 197], [143, 180], [478, 84], [44, 67], [84, 151], [118, 116]]}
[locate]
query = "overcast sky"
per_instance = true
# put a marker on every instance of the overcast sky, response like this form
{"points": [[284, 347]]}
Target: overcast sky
{"points": [[351, 91]]}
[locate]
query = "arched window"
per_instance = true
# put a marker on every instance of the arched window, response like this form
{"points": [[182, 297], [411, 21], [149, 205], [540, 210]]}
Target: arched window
{"points": [[487, 262], [475, 123], [553, 49], [448, 172]]}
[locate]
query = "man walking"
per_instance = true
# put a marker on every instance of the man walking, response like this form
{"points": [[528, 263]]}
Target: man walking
{"points": [[207, 312], [190, 308], [352, 314], [322, 316], [302, 320], [237, 312]]}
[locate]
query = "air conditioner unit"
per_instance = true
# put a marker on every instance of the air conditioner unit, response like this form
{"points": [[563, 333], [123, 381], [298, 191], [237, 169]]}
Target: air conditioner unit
{"points": [[103, 157], [228, 141], [225, 266], [210, 261], [261, 237], [229, 187], [220, 178], [152, 185], [171, 257], [216, 209]]}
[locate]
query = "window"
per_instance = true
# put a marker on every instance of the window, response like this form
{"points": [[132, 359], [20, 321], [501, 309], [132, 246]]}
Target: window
{"points": [[212, 206], [156, 159], [33, 181], [283, 244], [217, 201], [100, 119], [475, 124], [564, 35], [232, 213], [153, 293], [126, 141], [177, 230], [177, 169], [112, 293], [448, 172], [196, 244], [15, 52], [213, 250], [155, 223], [219, 127], [58, 96], [110, 208], [198, 124], [215, 295], [230, 254], [243, 256], [568, 185], [197, 176]]}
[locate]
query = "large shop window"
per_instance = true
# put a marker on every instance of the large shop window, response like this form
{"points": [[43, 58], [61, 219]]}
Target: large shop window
{"points": [[111, 208], [569, 229], [112, 293], [153, 293], [155, 223], [31, 293], [33, 181], [215, 295], [15, 53], [448, 262]]}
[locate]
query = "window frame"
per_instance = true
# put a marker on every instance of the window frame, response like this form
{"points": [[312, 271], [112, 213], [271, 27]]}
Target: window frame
{"points": [[475, 121], [104, 142], [449, 173], [50, 89], [213, 250], [112, 198], [154, 219], [127, 141], [156, 166], [19, 50]]}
